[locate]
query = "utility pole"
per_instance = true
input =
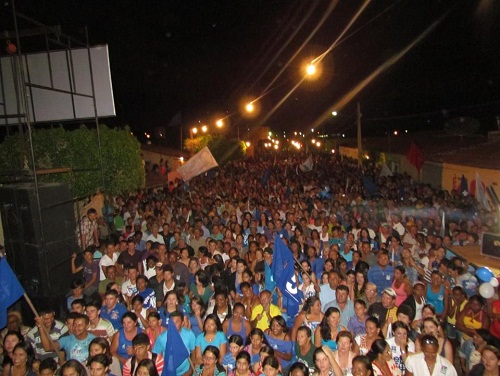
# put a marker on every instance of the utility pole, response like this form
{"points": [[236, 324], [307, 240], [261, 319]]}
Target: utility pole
{"points": [[360, 147]]}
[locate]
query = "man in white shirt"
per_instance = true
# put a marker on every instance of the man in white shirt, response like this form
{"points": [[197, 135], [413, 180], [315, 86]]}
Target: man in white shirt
{"points": [[108, 259]]}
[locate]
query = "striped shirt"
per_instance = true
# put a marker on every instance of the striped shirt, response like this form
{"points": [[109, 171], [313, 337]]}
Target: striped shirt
{"points": [[33, 338]]}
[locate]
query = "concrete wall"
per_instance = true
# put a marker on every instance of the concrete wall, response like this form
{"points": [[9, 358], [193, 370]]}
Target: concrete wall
{"points": [[153, 157], [432, 173], [452, 175]]}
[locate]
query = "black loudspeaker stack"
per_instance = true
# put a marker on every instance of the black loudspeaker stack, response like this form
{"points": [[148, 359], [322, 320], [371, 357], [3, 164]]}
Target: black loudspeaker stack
{"points": [[39, 247]]}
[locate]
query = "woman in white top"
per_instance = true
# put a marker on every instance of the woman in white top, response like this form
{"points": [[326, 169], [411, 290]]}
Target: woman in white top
{"points": [[429, 362], [401, 346], [344, 354]]}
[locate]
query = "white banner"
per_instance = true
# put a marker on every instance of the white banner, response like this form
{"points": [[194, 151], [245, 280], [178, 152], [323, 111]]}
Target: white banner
{"points": [[197, 164]]}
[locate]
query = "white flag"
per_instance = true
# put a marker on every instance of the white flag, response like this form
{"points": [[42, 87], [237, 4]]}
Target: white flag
{"points": [[307, 165], [480, 194], [385, 170], [197, 164]]}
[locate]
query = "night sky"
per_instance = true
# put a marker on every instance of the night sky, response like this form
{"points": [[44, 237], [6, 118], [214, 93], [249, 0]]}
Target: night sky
{"points": [[203, 58]]}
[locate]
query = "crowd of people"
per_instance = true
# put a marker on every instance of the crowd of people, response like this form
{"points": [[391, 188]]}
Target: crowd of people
{"points": [[380, 292]]}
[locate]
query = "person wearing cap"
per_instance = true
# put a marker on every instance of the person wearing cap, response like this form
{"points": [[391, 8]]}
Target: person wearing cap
{"points": [[385, 310], [381, 274]]}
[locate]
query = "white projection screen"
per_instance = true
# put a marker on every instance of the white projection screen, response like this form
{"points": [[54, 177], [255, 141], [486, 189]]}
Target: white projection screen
{"points": [[68, 71]]}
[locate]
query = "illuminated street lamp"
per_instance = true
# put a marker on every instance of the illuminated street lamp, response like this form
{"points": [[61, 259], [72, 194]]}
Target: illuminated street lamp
{"points": [[219, 123], [247, 144], [204, 129], [318, 144], [334, 113], [311, 70], [250, 107]]}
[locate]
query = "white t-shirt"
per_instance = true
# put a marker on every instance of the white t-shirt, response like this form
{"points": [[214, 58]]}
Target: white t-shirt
{"points": [[154, 239], [106, 261], [129, 289], [416, 364]]}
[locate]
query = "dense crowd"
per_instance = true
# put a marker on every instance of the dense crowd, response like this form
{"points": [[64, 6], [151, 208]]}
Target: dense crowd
{"points": [[380, 292]]}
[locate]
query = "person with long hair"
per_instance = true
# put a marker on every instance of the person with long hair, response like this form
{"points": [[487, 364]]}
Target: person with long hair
{"points": [[380, 355], [401, 346], [373, 332], [429, 362], [299, 369], [100, 345], [310, 316], [324, 363], [198, 311], [72, 368], [154, 327], [235, 344], [243, 365], [255, 340], [10, 341], [490, 363], [271, 366], [171, 303], [278, 338], [211, 365], [201, 286], [237, 324], [304, 348], [401, 285], [23, 357], [326, 332], [344, 354], [212, 335], [121, 343], [146, 367], [433, 327], [222, 307]]}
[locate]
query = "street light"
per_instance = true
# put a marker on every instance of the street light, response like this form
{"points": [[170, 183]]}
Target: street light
{"points": [[219, 123], [204, 129], [311, 70], [250, 107], [247, 144]]}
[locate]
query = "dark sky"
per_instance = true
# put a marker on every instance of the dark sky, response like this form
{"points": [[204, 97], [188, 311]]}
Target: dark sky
{"points": [[203, 57]]}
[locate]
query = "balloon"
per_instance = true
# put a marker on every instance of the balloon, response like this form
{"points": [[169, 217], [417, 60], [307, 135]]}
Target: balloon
{"points": [[486, 290], [494, 282], [484, 274]]}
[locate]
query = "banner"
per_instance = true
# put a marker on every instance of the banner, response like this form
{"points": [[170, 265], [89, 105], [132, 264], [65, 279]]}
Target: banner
{"points": [[307, 165], [10, 290], [197, 164]]}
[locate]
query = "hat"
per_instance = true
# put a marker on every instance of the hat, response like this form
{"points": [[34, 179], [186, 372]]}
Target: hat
{"points": [[418, 283], [268, 250], [385, 224], [390, 291]]}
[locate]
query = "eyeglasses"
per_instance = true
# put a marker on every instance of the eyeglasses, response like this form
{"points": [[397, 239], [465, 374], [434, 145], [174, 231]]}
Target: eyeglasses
{"points": [[212, 358]]}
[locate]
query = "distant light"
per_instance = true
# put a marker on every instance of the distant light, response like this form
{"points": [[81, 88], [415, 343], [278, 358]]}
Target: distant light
{"points": [[181, 159], [406, 130], [219, 123], [313, 141], [148, 135], [270, 134], [295, 133], [312, 130], [250, 107], [334, 113], [276, 147], [195, 130], [311, 69], [333, 151], [277, 141], [318, 144], [204, 128], [343, 135], [247, 144], [395, 133], [161, 134], [300, 133]]}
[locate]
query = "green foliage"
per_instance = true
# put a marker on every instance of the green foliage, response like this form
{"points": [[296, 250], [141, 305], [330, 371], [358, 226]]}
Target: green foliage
{"points": [[223, 150], [79, 150]]}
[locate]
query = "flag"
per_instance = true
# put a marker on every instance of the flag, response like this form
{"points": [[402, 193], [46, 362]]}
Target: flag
{"points": [[480, 193], [10, 290], [307, 165], [197, 164], [415, 156], [385, 170], [368, 184], [443, 223], [175, 351], [269, 280], [284, 276], [464, 186], [175, 121]]}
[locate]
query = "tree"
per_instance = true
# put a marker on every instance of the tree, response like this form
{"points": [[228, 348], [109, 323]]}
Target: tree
{"points": [[223, 150], [78, 149]]}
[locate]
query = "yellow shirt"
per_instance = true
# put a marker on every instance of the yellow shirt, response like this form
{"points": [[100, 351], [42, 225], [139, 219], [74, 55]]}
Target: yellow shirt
{"points": [[265, 321]]}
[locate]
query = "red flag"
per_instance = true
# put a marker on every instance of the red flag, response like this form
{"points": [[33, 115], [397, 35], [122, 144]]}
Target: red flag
{"points": [[415, 156]]}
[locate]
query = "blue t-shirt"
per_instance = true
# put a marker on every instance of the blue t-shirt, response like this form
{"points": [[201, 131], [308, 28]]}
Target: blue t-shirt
{"points": [[189, 340], [229, 362], [114, 316], [75, 348], [219, 339], [381, 277]]}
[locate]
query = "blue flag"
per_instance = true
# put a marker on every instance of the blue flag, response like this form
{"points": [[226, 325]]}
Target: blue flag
{"points": [[10, 290], [284, 276], [175, 351]]}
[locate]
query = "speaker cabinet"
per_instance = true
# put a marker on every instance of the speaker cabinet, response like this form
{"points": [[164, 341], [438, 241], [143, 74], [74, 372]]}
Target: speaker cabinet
{"points": [[39, 244]]}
